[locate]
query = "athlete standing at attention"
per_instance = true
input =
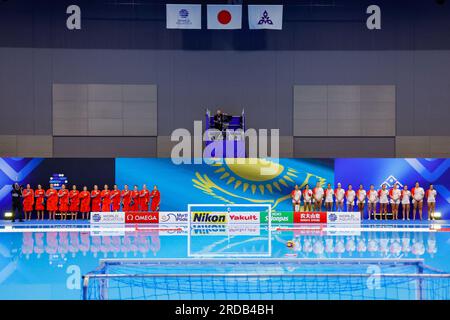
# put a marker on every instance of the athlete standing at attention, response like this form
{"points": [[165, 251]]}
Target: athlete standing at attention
{"points": [[39, 195], [307, 198], [350, 195], [52, 202], [96, 200], [431, 201], [383, 196], [372, 196], [105, 195], [126, 198], [361, 200], [406, 202], [156, 199], [85, 198], [115, 199], [63, 195], [395, 195], [339, 193], [134, 204], [144, 197], [329, 194], [28, 201], [318, 197], [417, 194], [74, 200], [296, 196]]}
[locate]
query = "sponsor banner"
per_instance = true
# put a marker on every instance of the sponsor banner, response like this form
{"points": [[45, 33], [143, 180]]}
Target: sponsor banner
{"points": [[343, 218], [234, 217], [278, 217], [225, 230], [244, 230], [141, 217], [209, 230], [243, 217], [173, 229], [309, 231], [342, 230], [224, 16], [265, 17], [209, 217], [173, 217], [107, 230], [107, 218], [310, 217], [183, 16]]}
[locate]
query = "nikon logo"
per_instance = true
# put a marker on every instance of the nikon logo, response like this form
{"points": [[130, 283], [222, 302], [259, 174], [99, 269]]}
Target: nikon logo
{"points": [[207, 217]]}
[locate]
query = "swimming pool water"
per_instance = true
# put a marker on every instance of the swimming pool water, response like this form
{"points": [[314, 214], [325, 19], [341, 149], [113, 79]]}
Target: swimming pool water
{"points": [[47, 261]]}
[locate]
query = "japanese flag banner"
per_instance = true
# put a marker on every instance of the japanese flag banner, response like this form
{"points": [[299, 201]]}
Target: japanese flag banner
{"points": [[224, 16]]}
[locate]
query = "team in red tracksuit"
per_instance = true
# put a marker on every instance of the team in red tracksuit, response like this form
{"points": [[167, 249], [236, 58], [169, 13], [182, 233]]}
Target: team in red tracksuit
{"points": [[63, 195], [134, 203], [156, 199], [105, 196], [28, 201], [39, 196], [52, 202], [95, 200], [85, 201], [126, 199], [74, 200], [115, 199], [144, 199]]}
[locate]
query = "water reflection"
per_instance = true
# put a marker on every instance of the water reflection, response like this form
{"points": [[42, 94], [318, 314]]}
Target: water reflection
{"points": [[131, 244], [399, 244], [365, 245]]}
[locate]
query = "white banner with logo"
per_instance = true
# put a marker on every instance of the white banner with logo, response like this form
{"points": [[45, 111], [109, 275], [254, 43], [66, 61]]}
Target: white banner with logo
{"points": [[183, 16], [344, 218], [107, 230], [225, 230], [244, 217], [107, 218], [265, 17], [222, 16], [173, 217]]}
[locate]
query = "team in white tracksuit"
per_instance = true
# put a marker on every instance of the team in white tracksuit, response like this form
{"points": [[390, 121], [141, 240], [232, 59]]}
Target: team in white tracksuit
{"points": [[395, 197]]}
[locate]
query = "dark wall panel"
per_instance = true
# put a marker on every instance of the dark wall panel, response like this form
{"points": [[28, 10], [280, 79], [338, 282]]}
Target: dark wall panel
{"points": [[340, 147], [104, 147]]}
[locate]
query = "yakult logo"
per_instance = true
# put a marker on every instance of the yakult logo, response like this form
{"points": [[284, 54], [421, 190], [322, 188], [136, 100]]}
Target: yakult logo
{"points": [[244, 217]]}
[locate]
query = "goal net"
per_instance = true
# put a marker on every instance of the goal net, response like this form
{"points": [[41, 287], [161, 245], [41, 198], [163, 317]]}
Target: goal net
{"points": [[265, 279]]}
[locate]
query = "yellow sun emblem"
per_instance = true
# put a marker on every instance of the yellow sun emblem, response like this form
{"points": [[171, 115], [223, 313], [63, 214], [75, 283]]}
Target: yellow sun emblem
{"points": [[248, 180]]}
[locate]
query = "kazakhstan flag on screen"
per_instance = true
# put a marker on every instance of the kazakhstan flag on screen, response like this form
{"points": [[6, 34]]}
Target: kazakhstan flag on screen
{"points": [[224, 181]]}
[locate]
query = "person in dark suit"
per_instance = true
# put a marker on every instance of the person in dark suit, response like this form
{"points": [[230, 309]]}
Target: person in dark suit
{"points": [[220, 121], [16, 195]]}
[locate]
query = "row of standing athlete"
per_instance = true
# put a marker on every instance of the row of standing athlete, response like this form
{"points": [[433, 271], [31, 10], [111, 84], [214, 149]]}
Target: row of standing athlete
{"points": [[314, 199], [70, 203]]}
